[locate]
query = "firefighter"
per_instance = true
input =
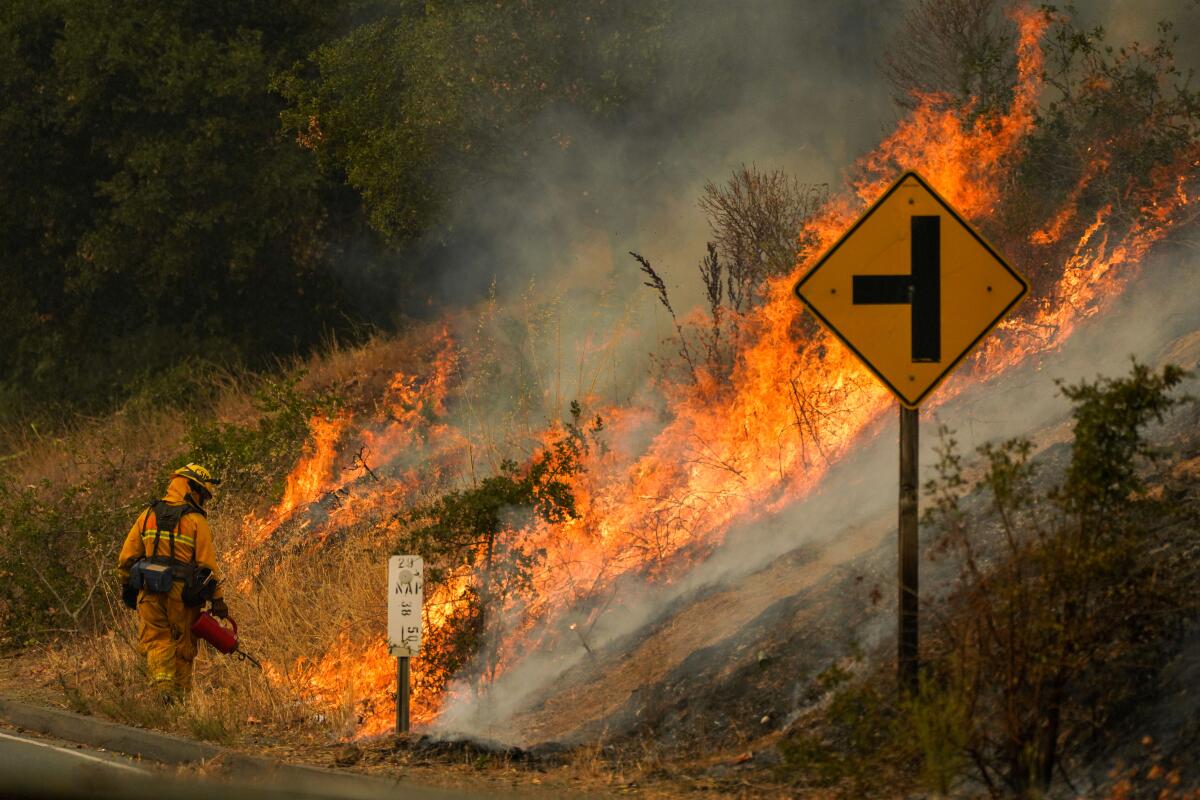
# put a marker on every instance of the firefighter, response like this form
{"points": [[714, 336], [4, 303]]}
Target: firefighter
{"points": [[168, 569]]}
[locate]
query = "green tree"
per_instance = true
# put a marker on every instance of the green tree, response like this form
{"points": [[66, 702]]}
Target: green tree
{"points": [[428, 99], [154, 211]]}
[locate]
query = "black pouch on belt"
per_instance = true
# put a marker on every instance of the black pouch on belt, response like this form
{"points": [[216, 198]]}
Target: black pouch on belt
{"points": [[152, 575], [156, 573], [199, 585]]}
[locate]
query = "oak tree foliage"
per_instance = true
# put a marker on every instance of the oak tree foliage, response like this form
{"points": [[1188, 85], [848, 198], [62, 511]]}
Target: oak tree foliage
{"points": [[153, 212]]}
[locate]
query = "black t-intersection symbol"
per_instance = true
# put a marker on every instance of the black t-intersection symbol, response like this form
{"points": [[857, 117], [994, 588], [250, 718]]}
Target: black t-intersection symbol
{"points": [[922, 289]]}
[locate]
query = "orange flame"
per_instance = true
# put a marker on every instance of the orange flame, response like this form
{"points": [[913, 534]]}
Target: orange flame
{"points": [[726, 453], [306, 482]]}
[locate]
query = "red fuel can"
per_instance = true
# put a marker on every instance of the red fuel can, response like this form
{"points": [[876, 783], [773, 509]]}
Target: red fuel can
{"points": [[208, 628]]}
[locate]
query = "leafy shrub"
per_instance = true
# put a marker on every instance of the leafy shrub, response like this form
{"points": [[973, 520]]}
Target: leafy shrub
{"points": [[59, 542], [483, 530], [1067, 594], [933, 728], [254, 455], [57, 549], [854, 737]]}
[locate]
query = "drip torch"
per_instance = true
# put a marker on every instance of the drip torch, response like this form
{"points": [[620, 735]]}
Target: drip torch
{"points": [[225, 640]]}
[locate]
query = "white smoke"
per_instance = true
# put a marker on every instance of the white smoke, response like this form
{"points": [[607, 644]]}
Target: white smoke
{"points": [[802, 92], [860, 491]]}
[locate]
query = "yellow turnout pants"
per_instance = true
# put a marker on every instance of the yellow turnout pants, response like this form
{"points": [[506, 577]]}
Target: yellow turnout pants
{"points": [[165, 637]]}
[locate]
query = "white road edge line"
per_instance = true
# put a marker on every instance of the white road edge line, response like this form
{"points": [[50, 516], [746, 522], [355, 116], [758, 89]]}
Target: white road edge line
{"points": [[89, 757]]}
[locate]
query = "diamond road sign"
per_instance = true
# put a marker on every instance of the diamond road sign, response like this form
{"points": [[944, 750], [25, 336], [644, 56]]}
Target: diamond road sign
{"points": [[911, 288]]}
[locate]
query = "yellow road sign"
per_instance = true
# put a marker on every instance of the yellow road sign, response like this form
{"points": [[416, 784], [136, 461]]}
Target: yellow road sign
{"points": [[911, 288]]}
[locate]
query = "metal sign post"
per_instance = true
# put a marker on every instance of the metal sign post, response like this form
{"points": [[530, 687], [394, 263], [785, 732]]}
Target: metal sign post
{"points": [[911, 289], [403, 688], [406, 597], [907, 576]]}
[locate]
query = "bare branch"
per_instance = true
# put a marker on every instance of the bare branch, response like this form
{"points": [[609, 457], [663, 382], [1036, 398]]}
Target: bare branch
{"points": [[757, 218]]}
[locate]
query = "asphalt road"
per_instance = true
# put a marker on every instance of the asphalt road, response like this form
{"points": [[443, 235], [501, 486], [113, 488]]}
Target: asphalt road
{"points": [[49, 769], [37, 767]]}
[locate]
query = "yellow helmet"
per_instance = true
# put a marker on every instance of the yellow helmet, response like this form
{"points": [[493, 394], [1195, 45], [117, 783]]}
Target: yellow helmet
{"points": [[199, 477]]}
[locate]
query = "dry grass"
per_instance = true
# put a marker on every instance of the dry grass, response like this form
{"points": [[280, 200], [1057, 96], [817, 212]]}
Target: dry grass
{"points": [[302, 606], [90, 449], [105, 675], [588, 771], [366, 368], [132, 443], [289, 606], [297, 607], [294, 599]]}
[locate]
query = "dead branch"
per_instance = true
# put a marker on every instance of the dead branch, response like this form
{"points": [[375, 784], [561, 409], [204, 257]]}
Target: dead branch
{"points": [[63, 605], [959, 48], [713, 460], [757, 218], [360, 463], [800, 407], [710, 273]]}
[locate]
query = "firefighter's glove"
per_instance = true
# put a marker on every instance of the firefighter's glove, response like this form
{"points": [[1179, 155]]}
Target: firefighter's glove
{"points": [[217, 608], [129, 596]]}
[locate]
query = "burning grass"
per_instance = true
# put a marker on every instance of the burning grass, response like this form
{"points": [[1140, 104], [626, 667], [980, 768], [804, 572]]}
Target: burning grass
{"points": [[408, 442], [661, 487]]}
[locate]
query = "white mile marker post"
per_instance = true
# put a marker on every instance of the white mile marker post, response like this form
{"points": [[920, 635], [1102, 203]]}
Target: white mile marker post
{"points": [[406, 598]]}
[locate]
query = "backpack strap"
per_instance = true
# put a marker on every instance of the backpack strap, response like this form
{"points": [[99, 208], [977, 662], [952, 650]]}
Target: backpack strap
{"points": [[194, 509], [165, 513], [195, 544], [157, 533], [188, 508], [145, 522]]}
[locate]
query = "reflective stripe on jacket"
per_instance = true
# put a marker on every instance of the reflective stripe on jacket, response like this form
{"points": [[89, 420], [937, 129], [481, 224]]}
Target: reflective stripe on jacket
{"points": [[192, 536]]}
